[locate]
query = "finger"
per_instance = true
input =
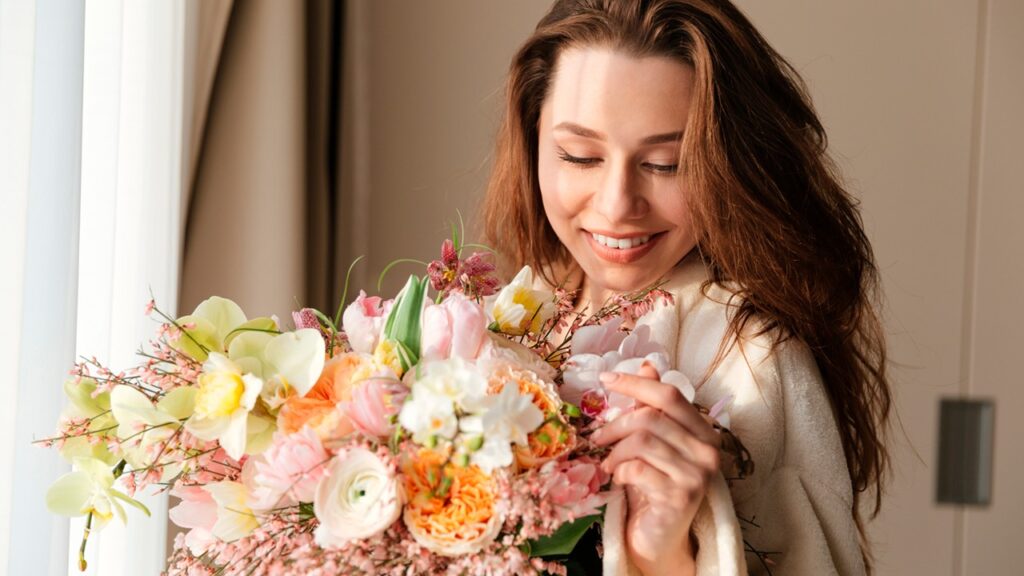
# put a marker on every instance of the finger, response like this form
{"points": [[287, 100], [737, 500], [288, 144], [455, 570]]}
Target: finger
{"points": [[658, 453], [664, 397], [657, 487], [651, 421]]}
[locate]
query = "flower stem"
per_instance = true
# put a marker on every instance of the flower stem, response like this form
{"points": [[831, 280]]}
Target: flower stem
{"points": [[82, 564]]}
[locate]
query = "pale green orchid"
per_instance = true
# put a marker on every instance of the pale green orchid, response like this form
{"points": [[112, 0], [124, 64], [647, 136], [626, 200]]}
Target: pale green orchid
{"points": [[213, 325], [138, 417], [287, 363], [101, 421], [89, 489]]}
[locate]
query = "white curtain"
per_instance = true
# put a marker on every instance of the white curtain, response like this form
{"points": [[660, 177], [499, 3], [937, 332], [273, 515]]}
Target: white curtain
{"points": [[91, 117]]}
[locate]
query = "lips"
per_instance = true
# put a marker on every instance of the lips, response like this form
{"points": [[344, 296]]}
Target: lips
{"points": [[637, 247]]}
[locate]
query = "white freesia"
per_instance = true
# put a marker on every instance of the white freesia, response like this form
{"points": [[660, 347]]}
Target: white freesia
{"points": [[223, 403], [89, 489], [459, 381], [508, 418], [518, 308], [359, 498], [235, 519], [428, 416]]}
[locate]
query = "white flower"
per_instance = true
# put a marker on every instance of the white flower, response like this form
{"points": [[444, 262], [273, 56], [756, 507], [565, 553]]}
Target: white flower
{"points": [[455, 379], [518, 308], [235, 519], [358, 498], [428, 416], [508, 418]]}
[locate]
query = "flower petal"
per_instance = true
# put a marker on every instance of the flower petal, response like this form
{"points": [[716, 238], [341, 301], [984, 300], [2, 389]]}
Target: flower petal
{"points": [[298, 357], [70, 494]]}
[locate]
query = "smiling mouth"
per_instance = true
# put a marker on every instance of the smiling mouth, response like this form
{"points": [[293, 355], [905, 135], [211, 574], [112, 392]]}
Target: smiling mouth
{"points": [[622, 250], [620, 243]]}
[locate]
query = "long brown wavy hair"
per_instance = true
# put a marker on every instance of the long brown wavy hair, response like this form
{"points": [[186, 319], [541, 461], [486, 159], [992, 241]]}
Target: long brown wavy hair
{"points": [[770, 214]]}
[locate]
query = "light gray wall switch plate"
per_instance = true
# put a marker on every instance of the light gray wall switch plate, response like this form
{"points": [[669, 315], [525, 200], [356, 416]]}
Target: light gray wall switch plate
{"points": [[965, 451]]}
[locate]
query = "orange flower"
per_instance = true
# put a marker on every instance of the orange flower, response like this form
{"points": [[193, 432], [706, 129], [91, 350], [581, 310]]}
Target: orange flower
{"points": [[554, 438], [317, 408], [452, 522]]}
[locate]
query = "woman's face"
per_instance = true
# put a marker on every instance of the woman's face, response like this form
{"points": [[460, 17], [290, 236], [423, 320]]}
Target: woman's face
{"points": [[609, 138]]}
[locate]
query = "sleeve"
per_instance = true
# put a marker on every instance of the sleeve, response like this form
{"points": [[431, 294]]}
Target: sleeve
{"points": [[798, 506]]}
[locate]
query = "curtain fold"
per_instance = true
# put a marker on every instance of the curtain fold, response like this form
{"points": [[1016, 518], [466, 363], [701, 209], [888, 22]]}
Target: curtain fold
{"points": [[264, 206]]}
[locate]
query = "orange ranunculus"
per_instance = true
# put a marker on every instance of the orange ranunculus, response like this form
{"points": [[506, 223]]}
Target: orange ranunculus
{"points": [[318, 408], [462, 519], [554, 438]]}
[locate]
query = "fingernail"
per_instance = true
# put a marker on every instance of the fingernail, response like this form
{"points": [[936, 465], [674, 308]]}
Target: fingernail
{"points": [[608, 377]]}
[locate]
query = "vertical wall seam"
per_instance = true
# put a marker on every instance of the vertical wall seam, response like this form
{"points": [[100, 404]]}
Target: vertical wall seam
{"points": [[968, 327]]}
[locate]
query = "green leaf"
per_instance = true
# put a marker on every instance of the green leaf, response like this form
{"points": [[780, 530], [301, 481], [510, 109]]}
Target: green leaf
{"points": [[563, 540]]}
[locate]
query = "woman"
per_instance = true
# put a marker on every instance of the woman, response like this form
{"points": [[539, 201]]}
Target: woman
{"points": [[666, 139]]}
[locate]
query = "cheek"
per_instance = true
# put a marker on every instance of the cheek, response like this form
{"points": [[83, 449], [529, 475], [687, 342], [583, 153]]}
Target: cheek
{"points": [[561, 202]]}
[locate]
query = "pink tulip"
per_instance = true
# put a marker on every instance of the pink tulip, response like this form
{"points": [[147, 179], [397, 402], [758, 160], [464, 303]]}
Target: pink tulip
{"points": [[374, 402], [363, 321], [456, 327]]}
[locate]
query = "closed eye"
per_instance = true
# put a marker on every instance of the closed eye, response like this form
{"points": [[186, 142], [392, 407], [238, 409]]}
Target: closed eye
{"points": [[576, 159], [665, 169]]}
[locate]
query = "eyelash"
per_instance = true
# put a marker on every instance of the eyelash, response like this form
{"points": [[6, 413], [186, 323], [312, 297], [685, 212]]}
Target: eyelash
{"points": [[584, 163]]}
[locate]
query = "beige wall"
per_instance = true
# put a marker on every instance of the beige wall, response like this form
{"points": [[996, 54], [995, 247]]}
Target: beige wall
{"points": [[922, 103]]}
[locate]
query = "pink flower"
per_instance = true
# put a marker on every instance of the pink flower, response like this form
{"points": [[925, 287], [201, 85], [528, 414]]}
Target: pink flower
{"points": [[374, 402], [197, 511], [456, 327], [598, 338], [363, 321], [288, 471], [576, 484]]}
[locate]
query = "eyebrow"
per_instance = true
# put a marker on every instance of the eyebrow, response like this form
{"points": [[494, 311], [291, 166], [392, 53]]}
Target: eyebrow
{"points": [[595, 135]]}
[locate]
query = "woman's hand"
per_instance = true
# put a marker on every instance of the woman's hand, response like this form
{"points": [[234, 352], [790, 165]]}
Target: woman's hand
{"points": [[665, 454]]}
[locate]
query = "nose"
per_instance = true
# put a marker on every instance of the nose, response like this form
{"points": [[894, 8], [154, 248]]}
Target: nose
{"points": [[620, 197]]}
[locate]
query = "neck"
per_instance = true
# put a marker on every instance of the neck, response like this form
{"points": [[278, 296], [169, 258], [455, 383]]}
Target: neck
{"points": [[592, 296]]}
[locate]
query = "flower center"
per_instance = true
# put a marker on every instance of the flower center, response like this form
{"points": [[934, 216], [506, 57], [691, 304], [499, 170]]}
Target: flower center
{"points": [[219, 394]]}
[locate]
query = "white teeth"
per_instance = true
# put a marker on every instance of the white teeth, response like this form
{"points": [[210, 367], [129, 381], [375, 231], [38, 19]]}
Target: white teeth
{"points": [[620, 243]]}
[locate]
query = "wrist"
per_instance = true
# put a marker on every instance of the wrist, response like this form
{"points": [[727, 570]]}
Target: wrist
{"points": [[679, 562]]}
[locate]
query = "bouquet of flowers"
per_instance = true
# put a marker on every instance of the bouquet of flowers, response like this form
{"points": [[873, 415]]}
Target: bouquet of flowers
{"points": [[428, 433]]}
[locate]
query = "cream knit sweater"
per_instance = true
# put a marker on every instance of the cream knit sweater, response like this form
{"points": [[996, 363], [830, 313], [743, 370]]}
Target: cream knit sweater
{"points": [[800, 495]]}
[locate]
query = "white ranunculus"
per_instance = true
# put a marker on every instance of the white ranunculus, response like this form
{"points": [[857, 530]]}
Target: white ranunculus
{"points": [[359, 498]]}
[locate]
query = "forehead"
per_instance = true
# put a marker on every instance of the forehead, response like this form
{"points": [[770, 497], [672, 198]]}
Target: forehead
{"points": [[613, 92]]}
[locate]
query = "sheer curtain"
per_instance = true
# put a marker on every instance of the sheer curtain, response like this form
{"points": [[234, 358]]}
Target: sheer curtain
{"points": [[92, 176], [132, 149]]}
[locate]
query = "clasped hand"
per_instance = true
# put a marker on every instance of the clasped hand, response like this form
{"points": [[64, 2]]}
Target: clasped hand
{"points": [[665, 454]]}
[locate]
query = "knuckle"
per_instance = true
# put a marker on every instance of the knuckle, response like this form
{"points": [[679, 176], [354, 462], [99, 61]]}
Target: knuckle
{"points": [[669, 394]]}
